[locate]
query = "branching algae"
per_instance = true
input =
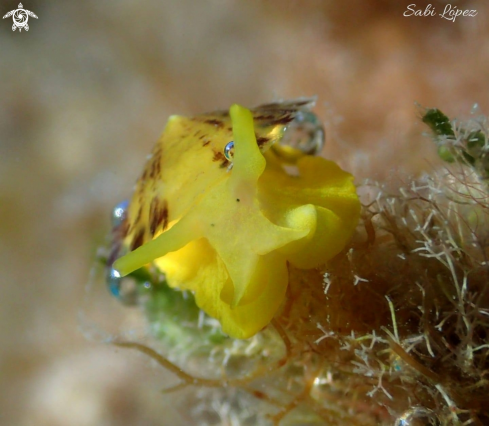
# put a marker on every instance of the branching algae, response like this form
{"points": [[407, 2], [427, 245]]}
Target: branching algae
{"points": [[219, 211]]}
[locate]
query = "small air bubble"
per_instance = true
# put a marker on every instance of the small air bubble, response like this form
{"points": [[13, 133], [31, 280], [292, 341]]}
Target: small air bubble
{"points": [[229, 151], [305, 133], [123, 288], [119, 213]]}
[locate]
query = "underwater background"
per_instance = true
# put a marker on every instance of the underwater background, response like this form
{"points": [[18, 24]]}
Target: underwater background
{"points": [[85, 94]]}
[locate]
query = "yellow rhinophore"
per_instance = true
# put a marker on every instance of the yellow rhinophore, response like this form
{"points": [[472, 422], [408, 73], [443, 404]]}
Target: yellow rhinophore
{"points": [[217, 212]]}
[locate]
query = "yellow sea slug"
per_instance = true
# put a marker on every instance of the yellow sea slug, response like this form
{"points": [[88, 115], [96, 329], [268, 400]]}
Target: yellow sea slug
{"points": [[219, 211]]}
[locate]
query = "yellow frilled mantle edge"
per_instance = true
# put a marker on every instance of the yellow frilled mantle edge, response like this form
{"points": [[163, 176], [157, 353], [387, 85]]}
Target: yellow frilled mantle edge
{"points": [[234, 231]]}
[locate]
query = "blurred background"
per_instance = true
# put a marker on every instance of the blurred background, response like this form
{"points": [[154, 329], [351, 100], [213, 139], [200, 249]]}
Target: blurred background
{"points": [[85, 94]]}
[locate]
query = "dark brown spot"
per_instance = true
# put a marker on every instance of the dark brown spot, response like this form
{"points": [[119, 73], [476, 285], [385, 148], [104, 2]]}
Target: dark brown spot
{"points": [[293, 104], [265, 117], [218, 113], [158, 215], [145, 175], [283, 120], [279, 117], [138, 240], [258, 394], [140, 212], [153, 216], [214, 122], [154, 171], [155, 163], [206, 142], [218, 156], [164, 216], [261, 141]]}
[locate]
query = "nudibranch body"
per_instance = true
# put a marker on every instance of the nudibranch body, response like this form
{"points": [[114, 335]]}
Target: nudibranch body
{"points": [[218, 213]]}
